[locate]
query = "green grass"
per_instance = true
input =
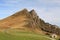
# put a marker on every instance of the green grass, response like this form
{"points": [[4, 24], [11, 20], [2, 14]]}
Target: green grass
{"points": [[22, 36]]}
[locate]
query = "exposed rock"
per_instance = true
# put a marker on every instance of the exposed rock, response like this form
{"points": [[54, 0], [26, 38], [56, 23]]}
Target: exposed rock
{"points": [[25, 19]]}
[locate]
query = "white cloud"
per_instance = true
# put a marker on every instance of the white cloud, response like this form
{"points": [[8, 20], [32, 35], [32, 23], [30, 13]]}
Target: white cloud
{"points": [[10, 2], [50, 2], [51, 15]]}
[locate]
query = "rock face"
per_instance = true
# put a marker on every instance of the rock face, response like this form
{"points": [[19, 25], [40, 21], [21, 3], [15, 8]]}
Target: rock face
{"points": [[28, 20]]}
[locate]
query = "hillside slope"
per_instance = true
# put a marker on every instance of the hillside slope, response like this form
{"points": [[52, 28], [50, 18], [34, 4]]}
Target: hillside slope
{"points": [[23, 20], [28, 20]]}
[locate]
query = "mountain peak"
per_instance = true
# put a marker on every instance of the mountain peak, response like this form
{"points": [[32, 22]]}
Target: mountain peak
{"points": [[33, 11], [22, 12], [25, 10], [24, 20]]}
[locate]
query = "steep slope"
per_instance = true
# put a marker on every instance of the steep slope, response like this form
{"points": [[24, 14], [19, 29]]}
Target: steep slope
{"points": [[17, 19], [25, 20]]}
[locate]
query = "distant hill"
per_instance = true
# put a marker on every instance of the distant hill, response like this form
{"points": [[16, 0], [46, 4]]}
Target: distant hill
{"points": [[28, 20]]}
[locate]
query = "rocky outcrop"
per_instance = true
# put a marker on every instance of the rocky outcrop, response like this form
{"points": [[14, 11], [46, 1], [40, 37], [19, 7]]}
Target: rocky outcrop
{"points": [[30, 20]]}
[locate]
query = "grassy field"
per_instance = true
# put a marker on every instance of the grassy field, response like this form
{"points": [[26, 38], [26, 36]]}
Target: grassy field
{"points": [[22, 36]]}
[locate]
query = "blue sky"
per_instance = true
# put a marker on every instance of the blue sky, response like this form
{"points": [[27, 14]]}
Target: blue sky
{"points": [[48, 10]]}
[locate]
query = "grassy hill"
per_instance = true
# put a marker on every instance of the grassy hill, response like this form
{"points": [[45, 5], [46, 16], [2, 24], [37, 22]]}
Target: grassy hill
{"points": [[22, 35]]}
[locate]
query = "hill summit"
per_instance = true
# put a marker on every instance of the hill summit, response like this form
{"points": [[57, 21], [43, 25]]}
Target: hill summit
{"points": [[28, 20]]}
